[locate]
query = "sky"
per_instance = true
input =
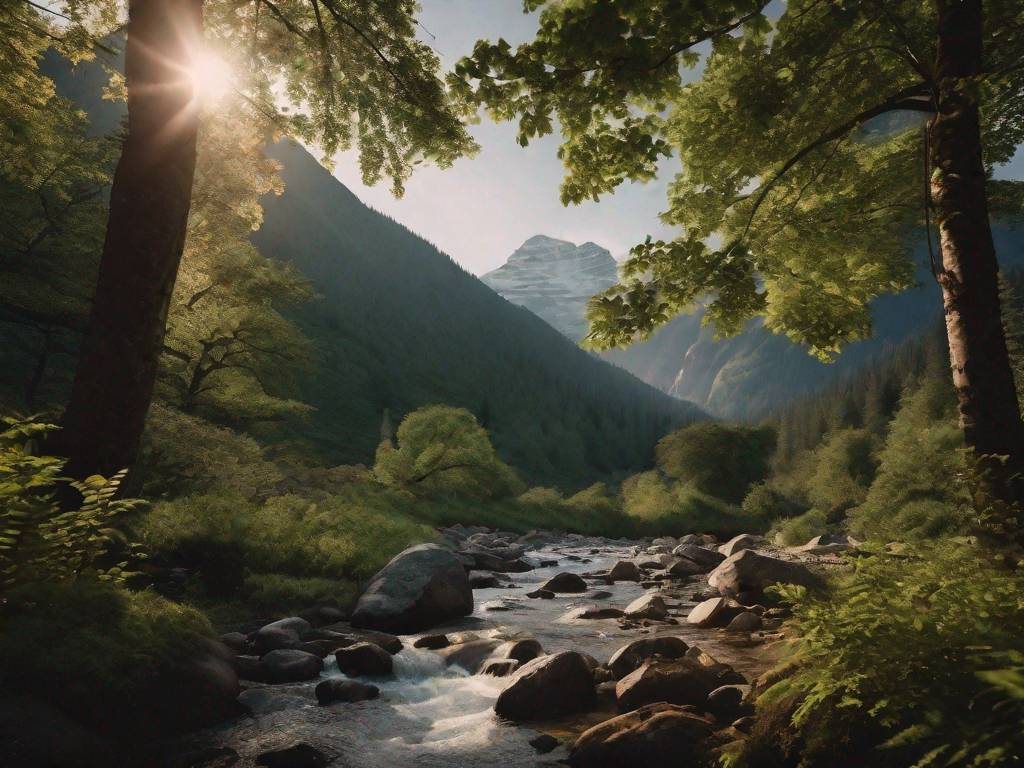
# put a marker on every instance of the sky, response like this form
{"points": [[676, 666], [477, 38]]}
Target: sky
{"points": [[483, 208]]}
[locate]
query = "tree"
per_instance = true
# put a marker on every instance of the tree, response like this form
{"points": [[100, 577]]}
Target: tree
{"points": [[800, 155], [357, 76], [444, 450]]}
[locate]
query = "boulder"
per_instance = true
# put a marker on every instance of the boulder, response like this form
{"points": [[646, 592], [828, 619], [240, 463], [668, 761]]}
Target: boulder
{"points": [[522, 651], [565, 583], [544, 743], [432, 642], [748, 621], [593, 612], [364, 660], [421, 587], [624, 570], [470, 655], [548, 687], [749, 572], [598, 594], [726, 702], [339, 689], [499, 667], [541, 594], [654, 736], [676, 681], [630, 657], [385, 640], [236, 641], [714, 612], [289, 665], [480, 580], [681, 567], [738, 544], [707, 558], [651, 606], [285, 633]]}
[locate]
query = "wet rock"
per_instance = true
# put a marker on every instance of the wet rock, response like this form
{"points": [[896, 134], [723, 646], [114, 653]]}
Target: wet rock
{"points": [[647, 607], [541, 594], [654, 736], [300, 755], [724, 674], [594, 612], [748, 621], [548, 687], [419, 588], [285, 633], [289, 665], [321, 648], [726, 702], [565, 583], [664, 541], [631, 656], [249, 668], [598, 594], [744, 724], [544, 743], [716, 612], [707, 558], [385, 640], [469, 655], [432, 642], [498, 606], [478, 580], [625, 570], [738, 544], [338, 689], [681, 568], [499, 667], [236, 641], [749, 572], [364, 660], [522, 651], [676, 681]]}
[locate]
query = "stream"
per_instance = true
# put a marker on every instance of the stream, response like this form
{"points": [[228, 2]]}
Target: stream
{"points": [[433, 716]]}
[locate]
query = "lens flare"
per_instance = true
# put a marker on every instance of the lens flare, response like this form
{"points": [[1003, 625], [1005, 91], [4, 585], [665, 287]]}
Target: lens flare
{"points": [[211, 78]]}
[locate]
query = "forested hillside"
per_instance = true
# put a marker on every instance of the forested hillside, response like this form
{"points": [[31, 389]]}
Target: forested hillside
{"points": [[400, 325]]}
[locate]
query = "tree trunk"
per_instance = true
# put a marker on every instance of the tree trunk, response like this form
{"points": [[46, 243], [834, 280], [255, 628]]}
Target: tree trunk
{"points": [[989, 410], [149, 206]]}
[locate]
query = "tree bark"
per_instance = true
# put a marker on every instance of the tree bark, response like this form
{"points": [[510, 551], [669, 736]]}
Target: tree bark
{"points": [[989, 410], [149, 205]]}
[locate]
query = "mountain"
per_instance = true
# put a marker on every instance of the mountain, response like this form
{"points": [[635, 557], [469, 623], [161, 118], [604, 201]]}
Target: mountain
{"points": [[554, 279], [744, 377]]}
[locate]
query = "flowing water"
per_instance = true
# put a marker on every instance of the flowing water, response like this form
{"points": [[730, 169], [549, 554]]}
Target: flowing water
{"points": [[433, 716]]}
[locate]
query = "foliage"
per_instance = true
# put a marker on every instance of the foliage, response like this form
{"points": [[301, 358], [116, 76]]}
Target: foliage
{"points": [[595, 499], [39, 542], [920, 491], [809, 206], [542, 497], [909, 663], [444, 450], [767, 502], [845, 467], [800, 529], [719, 459]]}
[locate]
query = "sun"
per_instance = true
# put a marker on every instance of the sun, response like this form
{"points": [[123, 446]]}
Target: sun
{"points": [[211, 78]]}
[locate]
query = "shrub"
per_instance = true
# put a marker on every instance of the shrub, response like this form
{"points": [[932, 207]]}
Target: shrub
{"points": [[801, 529], [844, 468], [718, 459], [541, 497], [766, 503], [909, 663]]}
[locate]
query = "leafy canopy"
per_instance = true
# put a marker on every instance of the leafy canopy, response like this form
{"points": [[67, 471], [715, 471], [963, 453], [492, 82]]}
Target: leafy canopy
{"points": [[800, 163]]}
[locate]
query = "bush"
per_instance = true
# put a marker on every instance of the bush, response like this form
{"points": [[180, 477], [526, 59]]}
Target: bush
{"points": [[844, 468], [801, 529], [721, 460], [541, 497], [909, 663], [766, 503]]}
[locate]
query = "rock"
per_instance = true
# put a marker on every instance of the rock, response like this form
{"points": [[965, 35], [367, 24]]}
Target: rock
{"points": [[419, 588], [676, 681], [748, 621], [432, 642], [498, 605], [496, 560], [654, 736], [598, 594], [544, 743], [565, 582], [478, 580], [726, 701], [548, 687], [664, 541], [680, 567], [748, 571], [522, 651], [828, 544], [470, 655], [690, 538], [650, 606], [716, 612], [625, 570], [364, 660], [296, 756], [249, 668], [738, 544], [338, 689], [542, 594], [724, 674], [630, 657], [236, 641], [708, 558], [321, 648], [285, 633], [594, 612], [289, 665], [499, 667], [388, 642], [745, 724]]}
